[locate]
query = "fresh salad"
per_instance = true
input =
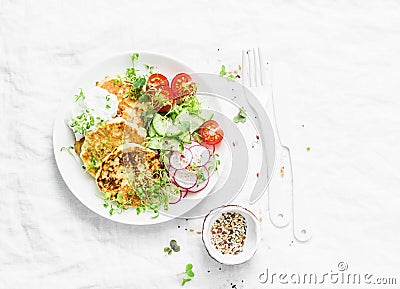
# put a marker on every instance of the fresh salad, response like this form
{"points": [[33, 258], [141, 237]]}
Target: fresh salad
{"points": [[182, 133]]}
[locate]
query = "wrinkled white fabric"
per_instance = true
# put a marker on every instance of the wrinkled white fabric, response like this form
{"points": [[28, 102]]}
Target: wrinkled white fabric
{"points": [[336, 70]]}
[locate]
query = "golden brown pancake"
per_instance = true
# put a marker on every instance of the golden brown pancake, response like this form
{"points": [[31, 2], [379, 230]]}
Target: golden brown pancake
{"points": [[125, 169], [102, 141]]}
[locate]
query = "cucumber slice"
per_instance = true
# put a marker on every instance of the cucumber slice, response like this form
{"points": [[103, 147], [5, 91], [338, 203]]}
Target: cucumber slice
{"points": [[186, 138], [194, 121], [171, 144], [154, 143], [165, 143], [160, 124], [173, 130], [151, 132]]}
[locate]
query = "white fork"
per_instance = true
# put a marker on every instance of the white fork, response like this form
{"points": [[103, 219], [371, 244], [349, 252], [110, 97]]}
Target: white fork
{"points": [[279, 200], [255, 74]]}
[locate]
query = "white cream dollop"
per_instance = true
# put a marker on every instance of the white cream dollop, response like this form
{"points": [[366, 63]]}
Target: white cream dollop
{"points": [[96, 102]]}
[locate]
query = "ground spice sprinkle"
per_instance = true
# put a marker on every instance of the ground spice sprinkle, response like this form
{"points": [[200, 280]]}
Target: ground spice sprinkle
{"points": [[228, 233]]}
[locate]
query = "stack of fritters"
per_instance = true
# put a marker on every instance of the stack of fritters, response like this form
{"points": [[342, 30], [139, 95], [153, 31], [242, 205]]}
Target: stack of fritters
{"points": [[113, 153]]}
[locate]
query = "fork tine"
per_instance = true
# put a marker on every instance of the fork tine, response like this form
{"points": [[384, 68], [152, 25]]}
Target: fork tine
{"points": [[259, 66], [245, 69], [252, 68], [254, 59]]}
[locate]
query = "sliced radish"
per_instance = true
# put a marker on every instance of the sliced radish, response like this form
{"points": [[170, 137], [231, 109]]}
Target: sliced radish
{"points": [[211, 148], [192, 144], [184, 193], [201, 185], [180, 160], [176, 198], [201, 155], [185, 179], [171, 171], [211, 164]]}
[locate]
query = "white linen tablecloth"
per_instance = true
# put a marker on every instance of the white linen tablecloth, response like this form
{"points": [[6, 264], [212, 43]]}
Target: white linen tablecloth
{"points": [[336, 69]]}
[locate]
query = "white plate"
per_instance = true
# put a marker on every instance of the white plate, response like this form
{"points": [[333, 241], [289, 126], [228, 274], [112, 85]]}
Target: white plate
{"points": [[218, 95], [80, 183]]}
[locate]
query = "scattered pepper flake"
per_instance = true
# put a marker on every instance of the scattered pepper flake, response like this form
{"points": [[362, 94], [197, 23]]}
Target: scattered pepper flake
{"points": [[282, 171]]}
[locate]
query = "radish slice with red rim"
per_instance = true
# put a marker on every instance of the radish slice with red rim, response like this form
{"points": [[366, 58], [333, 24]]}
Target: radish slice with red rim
{"points": [[176, 198], [171, 171], [211, 148], [180, 159], [185, 179], [202, 182], [184, 193], [201, 155]]}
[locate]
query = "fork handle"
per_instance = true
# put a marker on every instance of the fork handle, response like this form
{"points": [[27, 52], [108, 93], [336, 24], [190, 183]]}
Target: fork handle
{"points": [[280, 187], [301, 204]]}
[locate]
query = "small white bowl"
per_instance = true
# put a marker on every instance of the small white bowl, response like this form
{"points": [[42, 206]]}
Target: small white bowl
{"points": [[253, 235]]}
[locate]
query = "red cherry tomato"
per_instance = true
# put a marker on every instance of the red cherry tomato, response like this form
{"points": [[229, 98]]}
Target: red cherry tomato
{"points": [[158, 94], [157, 79], [182, 85], [211, 133]]}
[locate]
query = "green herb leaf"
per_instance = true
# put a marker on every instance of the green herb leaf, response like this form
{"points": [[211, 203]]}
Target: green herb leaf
{"points": [[308, 149], [68, 149], [189, 267], [174, 246], [223, 71], [79, 96], [111, 211], [120, 198], [231, 77], [150, 68], [143, 98], [190, 273], [184, 281], [241, 116], [157, 214], [173, 243]]}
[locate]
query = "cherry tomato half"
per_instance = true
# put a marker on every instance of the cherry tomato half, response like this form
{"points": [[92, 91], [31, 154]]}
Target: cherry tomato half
{"points": [[158, 94], [182, 85], [157, 79], [211, 133]]}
